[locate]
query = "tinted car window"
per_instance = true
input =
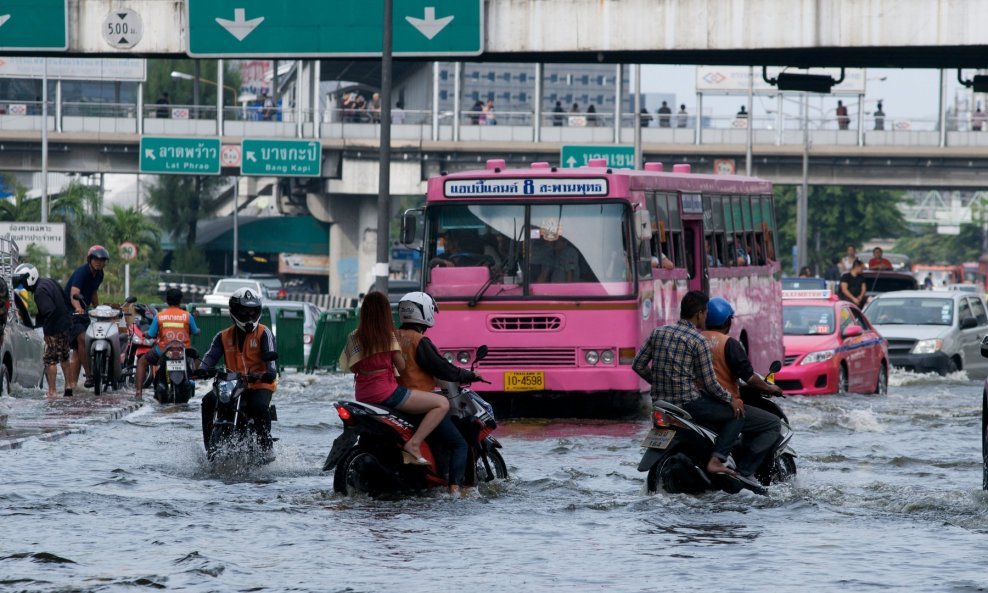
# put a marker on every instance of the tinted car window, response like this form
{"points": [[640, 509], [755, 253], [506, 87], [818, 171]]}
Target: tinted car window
{"points": [[911, 311], [807, 320], [804, 284], [979, 311]]}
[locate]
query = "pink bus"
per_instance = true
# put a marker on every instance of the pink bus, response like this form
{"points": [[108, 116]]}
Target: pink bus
{"points": [[563, 273]]}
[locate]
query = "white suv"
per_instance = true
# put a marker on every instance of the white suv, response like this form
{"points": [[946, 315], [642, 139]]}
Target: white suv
{"points": [[227, 286]]}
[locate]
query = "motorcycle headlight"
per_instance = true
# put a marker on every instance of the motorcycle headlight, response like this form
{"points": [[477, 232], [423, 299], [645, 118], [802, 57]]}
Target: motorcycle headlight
{"points": [[814, 357], [225, 391], [928, 346]]}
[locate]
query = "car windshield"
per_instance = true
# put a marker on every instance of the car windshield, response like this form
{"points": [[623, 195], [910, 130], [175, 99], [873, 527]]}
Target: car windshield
{"points": [[270, 282], [559, 250], [911, 311], [231, 286], [807, 320]]}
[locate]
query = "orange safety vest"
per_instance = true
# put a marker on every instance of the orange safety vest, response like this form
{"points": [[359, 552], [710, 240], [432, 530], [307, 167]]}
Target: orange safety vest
{"points": [[173, 324], [414, 376], [247, 360], [718, 350]]}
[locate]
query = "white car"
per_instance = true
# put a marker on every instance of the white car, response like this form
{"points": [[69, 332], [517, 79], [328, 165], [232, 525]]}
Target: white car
{"points": [[227, 286], [23, 347], [311, 313], [932, 331]]}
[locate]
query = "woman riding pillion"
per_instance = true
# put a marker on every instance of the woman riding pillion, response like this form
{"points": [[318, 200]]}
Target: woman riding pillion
{"points": [[372, 352], [423, 365], [243, 347]]}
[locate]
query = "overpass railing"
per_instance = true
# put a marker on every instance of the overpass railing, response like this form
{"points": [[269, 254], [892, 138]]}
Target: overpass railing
{"points": [[473, 126]]}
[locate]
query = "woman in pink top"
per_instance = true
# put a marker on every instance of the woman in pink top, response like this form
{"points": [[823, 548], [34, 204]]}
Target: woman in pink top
{"points": [[372, 352]]}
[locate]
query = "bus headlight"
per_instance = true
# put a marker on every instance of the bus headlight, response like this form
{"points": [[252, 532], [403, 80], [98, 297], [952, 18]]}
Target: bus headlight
{"points": [[463, 357], [607, 357], [449, 357], [591, 356]]}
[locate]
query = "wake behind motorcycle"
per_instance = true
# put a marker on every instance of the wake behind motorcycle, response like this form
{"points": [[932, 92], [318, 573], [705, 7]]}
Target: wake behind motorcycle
{"points": [[367, 456], [677, 450], [103, 346], [234, 434], [172, 381]]}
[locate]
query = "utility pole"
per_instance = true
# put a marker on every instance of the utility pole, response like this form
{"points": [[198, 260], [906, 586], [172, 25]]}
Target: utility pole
{"points": [[381, 268]]}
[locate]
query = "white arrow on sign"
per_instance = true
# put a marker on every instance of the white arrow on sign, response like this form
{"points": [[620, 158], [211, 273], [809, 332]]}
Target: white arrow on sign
{"points": [[149, 154], [4, 19], [251, 157], [240, 27], [430, 26], [571, 162]]}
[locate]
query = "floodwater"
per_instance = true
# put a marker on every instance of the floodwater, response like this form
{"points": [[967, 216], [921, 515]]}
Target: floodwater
{"points": [[887, 498]]}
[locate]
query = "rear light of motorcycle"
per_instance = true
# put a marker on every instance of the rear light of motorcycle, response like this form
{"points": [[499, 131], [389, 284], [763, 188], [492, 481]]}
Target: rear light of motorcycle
{"points": [[659, 418], [174, 354], [344, 413]]}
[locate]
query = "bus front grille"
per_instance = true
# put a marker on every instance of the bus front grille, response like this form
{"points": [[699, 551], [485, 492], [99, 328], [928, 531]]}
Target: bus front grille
{"points": [[514, 323], [529, 357]]}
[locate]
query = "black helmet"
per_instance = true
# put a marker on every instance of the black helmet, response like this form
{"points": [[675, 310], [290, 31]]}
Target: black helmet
{"points": [[245, 309]]}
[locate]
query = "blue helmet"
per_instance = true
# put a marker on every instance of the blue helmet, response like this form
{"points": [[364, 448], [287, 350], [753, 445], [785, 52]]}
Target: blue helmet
{"points": [[719, 312]]}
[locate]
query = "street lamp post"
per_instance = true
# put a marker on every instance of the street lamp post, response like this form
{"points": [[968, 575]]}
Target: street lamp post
{"points": [[184, 76]]}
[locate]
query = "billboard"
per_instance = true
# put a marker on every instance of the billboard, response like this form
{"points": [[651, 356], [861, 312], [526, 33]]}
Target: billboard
{"points": [[50, 236]]}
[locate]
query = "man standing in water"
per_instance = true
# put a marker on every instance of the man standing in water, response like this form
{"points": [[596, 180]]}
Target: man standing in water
{"points": [[676, 362]]}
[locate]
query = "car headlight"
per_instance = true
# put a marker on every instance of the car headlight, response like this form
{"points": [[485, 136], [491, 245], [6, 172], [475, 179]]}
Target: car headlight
{"points": [[591, 357], [927, 346], [814, 357]]}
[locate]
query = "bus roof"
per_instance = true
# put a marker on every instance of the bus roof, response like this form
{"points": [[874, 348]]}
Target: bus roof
{"points": [[596, 180]]}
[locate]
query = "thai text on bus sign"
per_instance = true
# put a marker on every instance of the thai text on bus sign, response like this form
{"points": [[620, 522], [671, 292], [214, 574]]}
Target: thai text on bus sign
{"points": [[525, 187]]}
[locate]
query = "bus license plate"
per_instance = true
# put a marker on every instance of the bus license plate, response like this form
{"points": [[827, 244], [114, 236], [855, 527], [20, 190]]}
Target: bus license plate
{"points": [[524, 380], [658, 438], [175, 365]]}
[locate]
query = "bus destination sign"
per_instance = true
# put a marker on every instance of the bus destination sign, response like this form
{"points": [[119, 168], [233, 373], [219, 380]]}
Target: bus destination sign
{"points": [[520, 187]]}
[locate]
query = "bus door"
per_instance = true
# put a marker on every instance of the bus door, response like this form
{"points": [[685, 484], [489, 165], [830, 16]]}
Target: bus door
{"points": [[691, 207]]}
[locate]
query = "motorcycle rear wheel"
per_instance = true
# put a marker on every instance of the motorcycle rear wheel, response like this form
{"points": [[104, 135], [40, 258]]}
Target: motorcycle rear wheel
{"points": [[349, 478]]}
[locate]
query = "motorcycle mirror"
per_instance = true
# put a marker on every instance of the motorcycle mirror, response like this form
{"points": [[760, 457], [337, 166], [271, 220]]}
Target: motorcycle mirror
{"points": [[270, 356], [131, 300], [481, 353], [775, 367]]}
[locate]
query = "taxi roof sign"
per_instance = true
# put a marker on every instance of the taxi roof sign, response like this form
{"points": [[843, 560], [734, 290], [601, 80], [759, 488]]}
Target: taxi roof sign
{"points": [[820, 294]]}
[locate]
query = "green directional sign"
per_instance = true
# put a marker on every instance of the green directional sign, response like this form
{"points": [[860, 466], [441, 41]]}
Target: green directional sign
{"points": [[180, 156], [618, 157], [332, 28], [281, 158], [31, 25]]}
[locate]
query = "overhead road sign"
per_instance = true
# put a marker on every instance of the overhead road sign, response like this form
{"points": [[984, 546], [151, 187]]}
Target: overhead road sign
{"points": [[34, 25], [281, 158], [323, 29], [618, 156], [180, 156]]}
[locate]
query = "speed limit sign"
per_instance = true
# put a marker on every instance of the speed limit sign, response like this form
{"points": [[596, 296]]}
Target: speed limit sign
{"points": [[724, 167], [230, 155], [128, 251]]}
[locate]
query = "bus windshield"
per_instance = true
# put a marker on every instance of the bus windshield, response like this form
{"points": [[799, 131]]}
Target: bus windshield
{"points": [[530, 250]]}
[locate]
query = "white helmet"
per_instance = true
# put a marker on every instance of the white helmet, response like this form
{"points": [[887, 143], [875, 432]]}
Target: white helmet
{"points": [[26, 274], [418, 308]]}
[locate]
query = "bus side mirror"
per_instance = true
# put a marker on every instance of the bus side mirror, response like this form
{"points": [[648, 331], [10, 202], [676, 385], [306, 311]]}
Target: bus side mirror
{"points": [[643, 225], [408, 230]]}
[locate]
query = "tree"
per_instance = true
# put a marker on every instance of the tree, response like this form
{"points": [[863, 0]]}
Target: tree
{"points": [[182, 201], [836, 217], [927, 246], [159, 80]]}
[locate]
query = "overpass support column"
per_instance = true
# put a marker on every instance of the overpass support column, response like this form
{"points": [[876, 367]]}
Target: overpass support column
{"points": [[435, 101], [457, 103], [316, 99], [618, 94], [537, 121], [352, 243], [698, 122], [861, 122], [219, 97], [942, 117]]}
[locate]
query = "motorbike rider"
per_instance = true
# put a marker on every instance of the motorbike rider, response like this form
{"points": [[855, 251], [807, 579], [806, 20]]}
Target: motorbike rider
{"points": [[174, 323], [423, 365], [676, 361], [242, 347], [85, 282], [54, 319], [760, 429]]}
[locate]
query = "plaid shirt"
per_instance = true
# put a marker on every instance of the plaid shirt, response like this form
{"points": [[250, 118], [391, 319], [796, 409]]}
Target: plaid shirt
{"points": [[681, 364]]}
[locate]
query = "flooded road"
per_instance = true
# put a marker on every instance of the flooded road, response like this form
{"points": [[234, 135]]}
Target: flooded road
{"points": [[887, 497]]}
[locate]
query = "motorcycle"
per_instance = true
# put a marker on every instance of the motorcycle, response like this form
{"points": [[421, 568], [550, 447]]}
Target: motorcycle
{"points": [[677, 450], [103, 346], [367, 456], [138, 344], [172, 381], [233, 434]]}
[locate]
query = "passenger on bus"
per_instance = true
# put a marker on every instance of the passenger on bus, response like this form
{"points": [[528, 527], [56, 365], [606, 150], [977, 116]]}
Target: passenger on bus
{"points": [[712, 260], [661, 261], [556, 258], [759, 429], [462, 248]]}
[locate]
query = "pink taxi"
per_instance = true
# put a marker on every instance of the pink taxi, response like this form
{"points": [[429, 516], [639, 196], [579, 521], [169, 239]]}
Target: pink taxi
{"points": [[830, 347]]}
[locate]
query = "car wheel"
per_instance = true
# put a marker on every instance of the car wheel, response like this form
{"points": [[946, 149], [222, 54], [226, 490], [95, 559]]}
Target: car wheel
{"points": [[951, 367], [882, 388], [842, 380], [4, 380]]}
